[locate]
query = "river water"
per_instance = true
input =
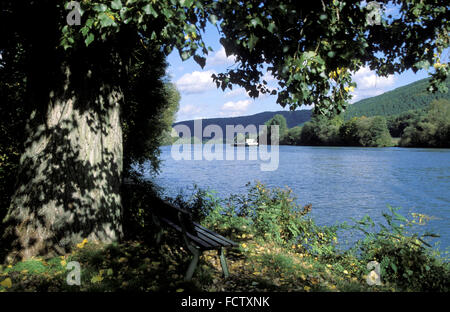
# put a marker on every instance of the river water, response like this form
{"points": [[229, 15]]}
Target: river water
{"points": [[340, 182]]}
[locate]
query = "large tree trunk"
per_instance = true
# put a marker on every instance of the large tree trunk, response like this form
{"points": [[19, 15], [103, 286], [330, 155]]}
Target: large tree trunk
{"points": [[70, 176]]}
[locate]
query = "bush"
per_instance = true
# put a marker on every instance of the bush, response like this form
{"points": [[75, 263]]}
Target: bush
{"points": [[405, 259], [138, 195], [268, 214]]}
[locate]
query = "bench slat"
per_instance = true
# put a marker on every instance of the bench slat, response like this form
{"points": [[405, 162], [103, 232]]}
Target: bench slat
{"points": [[198, 226], [213, 237], [208, 239], [202, 243]]}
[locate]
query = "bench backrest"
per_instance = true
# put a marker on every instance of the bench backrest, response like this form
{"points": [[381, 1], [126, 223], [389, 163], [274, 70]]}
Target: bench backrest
{"points": [[173, 213]]}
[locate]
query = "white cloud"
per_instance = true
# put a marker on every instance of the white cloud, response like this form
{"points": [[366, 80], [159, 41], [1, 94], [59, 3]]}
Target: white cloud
{"points": [[369, 84], [239, 106], [367, 79], [236, 93], [196, 82], [220, 58]]}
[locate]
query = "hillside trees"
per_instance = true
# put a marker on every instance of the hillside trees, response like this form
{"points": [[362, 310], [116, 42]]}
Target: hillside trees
{"points": [[277, 120], [366, 131], [431, 129], [321, 131], [71, 166]]}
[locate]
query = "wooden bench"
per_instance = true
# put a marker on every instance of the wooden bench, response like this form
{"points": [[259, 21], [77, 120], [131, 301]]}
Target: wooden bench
{"points": [[196, 237]]}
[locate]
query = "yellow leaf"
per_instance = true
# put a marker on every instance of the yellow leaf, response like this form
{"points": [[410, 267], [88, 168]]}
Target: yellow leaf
{"points": [[307, 288], [6, 283], [96, 279], [63, 263], [180, 290], [123, 259]]}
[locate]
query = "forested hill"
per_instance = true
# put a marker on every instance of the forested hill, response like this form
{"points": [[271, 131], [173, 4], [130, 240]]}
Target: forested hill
{"points": [[411, 96], [293, 118]]}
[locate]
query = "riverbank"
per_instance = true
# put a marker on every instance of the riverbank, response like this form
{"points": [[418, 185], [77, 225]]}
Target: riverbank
{"points": [[280, 249]]}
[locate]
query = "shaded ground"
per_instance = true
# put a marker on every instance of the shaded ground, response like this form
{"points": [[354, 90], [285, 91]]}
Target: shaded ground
{"points": [[135, 266]]}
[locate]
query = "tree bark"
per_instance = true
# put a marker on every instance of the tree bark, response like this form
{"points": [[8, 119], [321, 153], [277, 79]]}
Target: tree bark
{"points": [[70, 176]]}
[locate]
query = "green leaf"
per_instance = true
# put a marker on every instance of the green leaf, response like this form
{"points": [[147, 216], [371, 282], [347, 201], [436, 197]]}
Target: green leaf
{"points": [[148, 9], [272, 27], [185, 55], [116, 4], [252, 42], [100, 7], [84, 30], [89, 39], [186, 3], [106, 20], [256, 21]]}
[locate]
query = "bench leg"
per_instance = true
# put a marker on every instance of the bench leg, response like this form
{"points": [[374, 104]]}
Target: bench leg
{"points": [[223, 262], [158, 225], [193, 265]]}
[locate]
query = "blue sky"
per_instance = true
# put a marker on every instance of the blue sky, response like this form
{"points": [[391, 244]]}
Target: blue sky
{"points": [[201, 99]]}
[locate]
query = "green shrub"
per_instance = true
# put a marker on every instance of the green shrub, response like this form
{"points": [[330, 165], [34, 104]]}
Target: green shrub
{"points": [[269, 214], [405, 259]]}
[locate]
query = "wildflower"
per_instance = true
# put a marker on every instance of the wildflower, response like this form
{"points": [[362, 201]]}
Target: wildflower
{"points": [[82, 244]]}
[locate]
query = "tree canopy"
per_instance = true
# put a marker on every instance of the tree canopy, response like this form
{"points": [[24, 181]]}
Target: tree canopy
{"points": [[319, 44]]}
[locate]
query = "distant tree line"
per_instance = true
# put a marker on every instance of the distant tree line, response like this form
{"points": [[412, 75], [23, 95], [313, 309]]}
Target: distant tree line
{"points": [[428, 127]]}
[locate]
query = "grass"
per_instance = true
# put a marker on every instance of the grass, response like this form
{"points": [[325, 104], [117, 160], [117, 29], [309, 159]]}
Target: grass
{"points": [[255, 266]]}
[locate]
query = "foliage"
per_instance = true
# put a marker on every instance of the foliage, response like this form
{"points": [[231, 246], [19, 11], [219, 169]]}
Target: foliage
{"points": [[320, 48], [14, 114], [431, 129], [152, 102], [138, 194], [366, 131], [269, 214], [371, 131], [277, 120], [405, 258], [310, 70], [398, 123], [321, 131], [292, 136]]}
